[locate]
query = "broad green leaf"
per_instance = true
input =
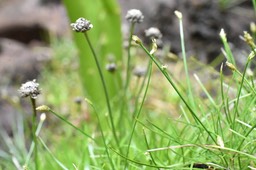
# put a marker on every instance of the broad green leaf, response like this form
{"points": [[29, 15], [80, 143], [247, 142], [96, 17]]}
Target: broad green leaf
{"points": [[106, 38]]}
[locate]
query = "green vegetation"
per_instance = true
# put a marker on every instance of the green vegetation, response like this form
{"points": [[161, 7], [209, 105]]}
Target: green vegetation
{"points": [[155, 121], [106, 38]]}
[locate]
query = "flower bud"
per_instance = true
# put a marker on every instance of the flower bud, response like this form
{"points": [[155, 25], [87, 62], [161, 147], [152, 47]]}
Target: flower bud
{"points": [[153, 33], [30, 88], [230, 66], [43, 108], [154, 47], [136, 39], [178, 14], [81, 25], [134, 16]]}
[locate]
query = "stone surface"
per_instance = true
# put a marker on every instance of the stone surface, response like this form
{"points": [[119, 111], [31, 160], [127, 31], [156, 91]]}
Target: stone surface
{"points": [[202, 22], [20, 63], [28, 20], [25, 27]]}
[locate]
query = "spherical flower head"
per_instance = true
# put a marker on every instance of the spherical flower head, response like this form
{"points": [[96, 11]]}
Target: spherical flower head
{"points": [[153, 33], [139, 71], [78, 100], [81, 25], [111, 67], [30, 88], [134, 16]]}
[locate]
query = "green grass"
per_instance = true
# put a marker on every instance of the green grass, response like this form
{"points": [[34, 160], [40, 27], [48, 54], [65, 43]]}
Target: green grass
{"points": [[162, 127]]}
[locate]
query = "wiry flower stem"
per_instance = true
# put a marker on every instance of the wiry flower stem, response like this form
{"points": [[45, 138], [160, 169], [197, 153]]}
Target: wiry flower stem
{"points": [[104, 88], [34, 124], [128, 72], [31, 89], [184, 57], [45, 108], [165, 73], [137, 111]]}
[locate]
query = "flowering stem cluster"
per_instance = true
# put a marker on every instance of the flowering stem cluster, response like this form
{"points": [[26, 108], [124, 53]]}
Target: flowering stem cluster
{"points": [[128, 74], [165, 73], [83, 25], [31, 89]]}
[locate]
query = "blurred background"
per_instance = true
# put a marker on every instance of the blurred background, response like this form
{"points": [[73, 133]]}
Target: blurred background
{"points": [[27, 28]]}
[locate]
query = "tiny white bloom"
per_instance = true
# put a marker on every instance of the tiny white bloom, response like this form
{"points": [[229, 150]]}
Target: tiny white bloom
{"points": [[153, 32], [134, 16], [139, 71], [30, 88], [81, 25]]}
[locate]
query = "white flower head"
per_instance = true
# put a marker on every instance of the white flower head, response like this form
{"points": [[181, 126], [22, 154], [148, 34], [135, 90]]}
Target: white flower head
{"points": [[134, 16], [81, 25], [111, 67], [30, 88], [153, 32], [139, 71]]}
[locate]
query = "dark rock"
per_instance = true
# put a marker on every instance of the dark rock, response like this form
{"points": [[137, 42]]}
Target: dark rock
{"points": [[20, 63], [29, 20], [202, 22], [25, 25]]}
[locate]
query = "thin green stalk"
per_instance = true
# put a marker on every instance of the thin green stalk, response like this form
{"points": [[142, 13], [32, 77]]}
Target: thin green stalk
{"points": [[34, 125], [240, 145], [32, 147], [165, 73], [137, 88], [252, 82], [213, 103], [168, 136], [128, 75], [190, 94], [223, 97], [175, 166], [70, 124], [246, 135], [51, 154], [245, 80], [139, 111], [239, 92], [254, 5], [128, 69], [104, 87], [150, 154], [249, 105], [102, 135], [206, 92], [139, 92]]}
